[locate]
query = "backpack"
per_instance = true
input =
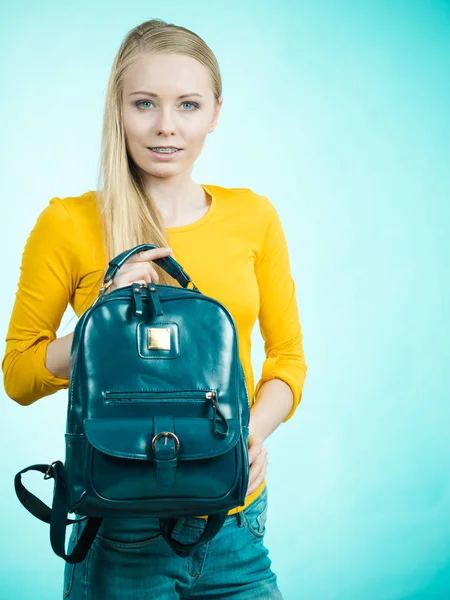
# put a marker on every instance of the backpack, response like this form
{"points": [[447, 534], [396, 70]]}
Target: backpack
{"points": [[158, 414]]}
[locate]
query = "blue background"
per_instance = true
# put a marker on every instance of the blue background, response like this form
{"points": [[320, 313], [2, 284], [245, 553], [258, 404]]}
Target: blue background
{"points": [[339, 113]]}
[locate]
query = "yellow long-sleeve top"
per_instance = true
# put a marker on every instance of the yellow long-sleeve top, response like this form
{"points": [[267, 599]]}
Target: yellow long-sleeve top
{"points": [[236, 253]]}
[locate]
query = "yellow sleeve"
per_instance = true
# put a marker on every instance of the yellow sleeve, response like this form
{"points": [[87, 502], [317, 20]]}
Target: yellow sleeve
{"points": [[48, 277], [278, 314]]}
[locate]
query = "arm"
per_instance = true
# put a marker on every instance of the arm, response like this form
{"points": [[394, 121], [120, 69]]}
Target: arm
{"points": [[58, 356], [48, 278], [265, 414], [279, 389]]}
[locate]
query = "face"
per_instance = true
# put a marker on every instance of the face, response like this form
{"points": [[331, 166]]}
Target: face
{"points": [[167, 101]]}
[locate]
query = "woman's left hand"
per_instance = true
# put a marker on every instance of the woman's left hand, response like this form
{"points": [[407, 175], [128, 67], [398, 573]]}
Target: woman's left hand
{"points": [[257, 456]]}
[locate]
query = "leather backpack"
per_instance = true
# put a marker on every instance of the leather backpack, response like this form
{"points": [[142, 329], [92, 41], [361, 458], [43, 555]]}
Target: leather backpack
{"points": [[158, 414]]}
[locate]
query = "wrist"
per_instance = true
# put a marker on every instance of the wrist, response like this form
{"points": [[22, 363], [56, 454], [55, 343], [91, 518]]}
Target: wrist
{"points": [[254, 427]]}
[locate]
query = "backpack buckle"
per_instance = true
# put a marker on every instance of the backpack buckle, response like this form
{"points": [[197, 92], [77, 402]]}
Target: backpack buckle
{"points": [[48, 474], [166, 434]]}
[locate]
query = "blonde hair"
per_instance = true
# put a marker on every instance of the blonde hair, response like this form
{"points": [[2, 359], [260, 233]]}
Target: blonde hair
{"points": [[128, 214]]}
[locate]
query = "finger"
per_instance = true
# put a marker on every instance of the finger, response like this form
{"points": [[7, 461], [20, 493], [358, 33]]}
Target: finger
{"points": [[146, 255], [147, 272], [138, 273], [257, 481], [257, 467], [142, 270], [154, 277], [255, 451]]}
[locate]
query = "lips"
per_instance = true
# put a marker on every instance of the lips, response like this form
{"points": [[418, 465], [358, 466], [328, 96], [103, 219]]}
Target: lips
{"points": [[164, 156]]}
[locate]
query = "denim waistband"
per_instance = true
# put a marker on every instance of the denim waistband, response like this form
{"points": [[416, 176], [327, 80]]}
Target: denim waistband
{"points": [[198, 522]]}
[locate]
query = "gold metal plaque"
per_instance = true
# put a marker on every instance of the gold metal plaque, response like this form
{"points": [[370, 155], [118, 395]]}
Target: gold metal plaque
{"points": [[158, 338]]}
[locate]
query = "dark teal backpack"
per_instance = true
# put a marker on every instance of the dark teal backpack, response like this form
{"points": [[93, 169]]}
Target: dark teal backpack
{"points": [[158, 413]]}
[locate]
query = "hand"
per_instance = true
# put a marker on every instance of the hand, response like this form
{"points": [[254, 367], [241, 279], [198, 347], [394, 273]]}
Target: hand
{"points": [[138, 269], [257, 456]]}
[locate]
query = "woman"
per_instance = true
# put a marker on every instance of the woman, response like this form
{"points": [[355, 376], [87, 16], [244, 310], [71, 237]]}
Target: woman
{"points": [[163, 98]]}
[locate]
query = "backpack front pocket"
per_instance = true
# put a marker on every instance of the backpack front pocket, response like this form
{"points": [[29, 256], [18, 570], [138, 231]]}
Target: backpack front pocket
{"points": [[137, 458]]}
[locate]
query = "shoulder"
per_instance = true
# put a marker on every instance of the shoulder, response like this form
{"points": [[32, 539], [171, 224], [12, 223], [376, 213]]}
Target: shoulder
{"points": [[72, 222], [79, 213], [244, 199], [79, 206], [70, 206]]}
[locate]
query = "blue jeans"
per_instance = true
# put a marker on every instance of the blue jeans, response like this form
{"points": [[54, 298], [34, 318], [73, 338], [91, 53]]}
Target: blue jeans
{"points": [[130, 560]]}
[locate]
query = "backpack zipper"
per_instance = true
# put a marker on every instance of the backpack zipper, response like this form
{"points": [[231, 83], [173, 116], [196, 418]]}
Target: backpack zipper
{"points": [[155, 395], [179, 395]]}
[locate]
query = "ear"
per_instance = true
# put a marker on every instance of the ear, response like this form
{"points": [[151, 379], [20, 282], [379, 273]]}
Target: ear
{"points": [[216, 114]]}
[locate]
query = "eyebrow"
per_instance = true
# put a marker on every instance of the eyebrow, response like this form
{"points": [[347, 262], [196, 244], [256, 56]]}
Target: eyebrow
{"points": [[156, 95]]}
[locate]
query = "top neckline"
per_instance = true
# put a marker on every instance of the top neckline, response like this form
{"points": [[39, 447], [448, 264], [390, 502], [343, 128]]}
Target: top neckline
{"points": [[203, 220]]}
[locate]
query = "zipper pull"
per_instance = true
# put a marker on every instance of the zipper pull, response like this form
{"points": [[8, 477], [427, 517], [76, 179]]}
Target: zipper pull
{"points": [[217, 413], [137, 299], [154, 298]]}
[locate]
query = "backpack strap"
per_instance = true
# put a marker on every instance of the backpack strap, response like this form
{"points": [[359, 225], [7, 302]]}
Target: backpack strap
{"points": [[213, 526], [57, 515], [57, 518]]}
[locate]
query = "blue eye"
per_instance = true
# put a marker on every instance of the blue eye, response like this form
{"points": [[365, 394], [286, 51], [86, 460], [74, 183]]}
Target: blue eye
{"points": [[192, 104], [140, 102]]}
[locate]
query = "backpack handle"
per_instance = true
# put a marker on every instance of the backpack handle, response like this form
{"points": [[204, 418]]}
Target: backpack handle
{"points": [[169, 264]]}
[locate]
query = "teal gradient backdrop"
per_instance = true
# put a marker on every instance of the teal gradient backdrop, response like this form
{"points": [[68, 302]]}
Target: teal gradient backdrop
{"points": [[339, 113]]}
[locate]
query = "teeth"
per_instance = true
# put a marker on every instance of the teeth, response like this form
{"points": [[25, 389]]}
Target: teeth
{"points": [[164, 150]]}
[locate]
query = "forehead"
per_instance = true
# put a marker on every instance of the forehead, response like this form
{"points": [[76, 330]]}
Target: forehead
{"points": [[166, 75]]}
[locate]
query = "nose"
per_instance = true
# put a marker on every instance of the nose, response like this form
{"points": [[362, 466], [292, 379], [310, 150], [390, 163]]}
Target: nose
{"points": [[165, 124]]}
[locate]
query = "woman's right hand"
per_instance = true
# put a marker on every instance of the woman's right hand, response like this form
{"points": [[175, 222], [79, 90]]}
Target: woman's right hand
{"points": [[138, 269]]}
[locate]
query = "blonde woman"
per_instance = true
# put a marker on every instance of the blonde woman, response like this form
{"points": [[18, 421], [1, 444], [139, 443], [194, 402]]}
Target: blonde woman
{"points": [[164, 96]]}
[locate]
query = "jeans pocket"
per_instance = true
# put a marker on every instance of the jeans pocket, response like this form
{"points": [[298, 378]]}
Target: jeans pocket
{"points": [[128, 533], [256, 515]]}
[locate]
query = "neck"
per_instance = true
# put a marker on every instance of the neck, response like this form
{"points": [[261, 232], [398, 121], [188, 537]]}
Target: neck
{"points": [[176, 198]]}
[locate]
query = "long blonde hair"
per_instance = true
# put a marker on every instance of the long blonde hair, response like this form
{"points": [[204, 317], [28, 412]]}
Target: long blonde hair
{"points": [[128, 214]]}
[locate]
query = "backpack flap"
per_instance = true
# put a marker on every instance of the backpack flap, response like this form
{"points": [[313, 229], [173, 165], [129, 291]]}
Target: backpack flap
{"points": [[145, 458]]}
